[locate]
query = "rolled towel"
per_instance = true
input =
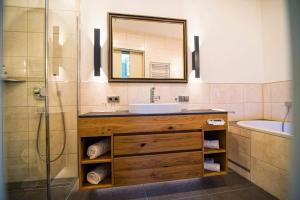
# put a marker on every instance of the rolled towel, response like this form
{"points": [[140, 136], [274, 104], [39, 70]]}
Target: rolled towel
{"points": [[98, 174], [215, 167], [98, 148], [212, 144]]}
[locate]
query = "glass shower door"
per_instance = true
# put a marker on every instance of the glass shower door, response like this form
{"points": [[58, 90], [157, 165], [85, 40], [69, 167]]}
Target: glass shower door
{"points": [[62, 38]]}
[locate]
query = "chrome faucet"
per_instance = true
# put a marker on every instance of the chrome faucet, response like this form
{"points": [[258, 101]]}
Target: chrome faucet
{"points": [[153, 98]]}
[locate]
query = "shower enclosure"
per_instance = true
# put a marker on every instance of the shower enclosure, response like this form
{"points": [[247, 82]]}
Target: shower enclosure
{"points": [[39, 97]]}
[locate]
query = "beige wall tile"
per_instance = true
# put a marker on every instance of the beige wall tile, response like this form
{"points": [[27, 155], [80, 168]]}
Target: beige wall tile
{"points": [[62, 46], [36, 20], [15, 119], [163, 91], [281, 92], [67, 92], [16, 145], [36, 68], [226, 93], [253, 93], [18, 3], [199, 93], [268, 111], [17, 169], [65, 20], [267, 92], [34, 116], [15, 19], [278, 111], [15, 44], [36, 45], [16, 66], [15, 94], [70, 118], [92, 94], [65, 67], [253, 110], [36, 3]]}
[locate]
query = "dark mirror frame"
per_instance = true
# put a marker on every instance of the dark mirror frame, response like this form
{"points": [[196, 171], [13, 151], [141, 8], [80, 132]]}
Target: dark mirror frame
{"points": [[145, 80]]}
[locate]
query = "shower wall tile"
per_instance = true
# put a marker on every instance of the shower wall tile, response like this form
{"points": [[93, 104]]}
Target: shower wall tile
{"points": [[65, 67], [18, 3], [36, 20], [15, 44], [15, 94], [67, 92], [65, 20], [16, 66], [36, 3], [62, 46], [36, 68], [36, 45], [17, 169], [71, 145], [15, 119], [70, 118], [15, 19], [16, 144]]}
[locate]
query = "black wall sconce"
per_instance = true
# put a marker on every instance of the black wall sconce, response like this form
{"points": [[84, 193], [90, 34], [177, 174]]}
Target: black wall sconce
{"points": [[97, 52], [196, 57]]}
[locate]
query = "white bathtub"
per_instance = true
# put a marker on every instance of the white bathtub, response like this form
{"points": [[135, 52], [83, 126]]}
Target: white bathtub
{"points": [[271, 127]]}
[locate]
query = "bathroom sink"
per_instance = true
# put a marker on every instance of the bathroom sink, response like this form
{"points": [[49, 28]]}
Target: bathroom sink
{"points": [[152, 108]]}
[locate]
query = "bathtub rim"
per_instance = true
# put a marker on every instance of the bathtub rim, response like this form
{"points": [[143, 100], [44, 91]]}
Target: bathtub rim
{"points": [[275, 133]]}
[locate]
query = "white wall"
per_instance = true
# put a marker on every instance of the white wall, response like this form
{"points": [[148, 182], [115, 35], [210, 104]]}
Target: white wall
{"points": [[229, 30], [275, 32]]}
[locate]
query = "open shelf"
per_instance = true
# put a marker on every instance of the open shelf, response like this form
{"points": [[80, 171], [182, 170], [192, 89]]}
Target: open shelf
{"points": [[212, 173], [213, 151], [106, 183], [86, 168], [106, 158]]}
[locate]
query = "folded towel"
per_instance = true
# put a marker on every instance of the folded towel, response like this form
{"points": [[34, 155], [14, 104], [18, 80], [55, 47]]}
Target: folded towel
{"points": [[216, 167], [98, 148], [212, 144], [98, 174]]}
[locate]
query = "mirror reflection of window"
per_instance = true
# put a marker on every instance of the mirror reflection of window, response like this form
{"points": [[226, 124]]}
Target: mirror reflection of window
{"points": [[125, 64]]}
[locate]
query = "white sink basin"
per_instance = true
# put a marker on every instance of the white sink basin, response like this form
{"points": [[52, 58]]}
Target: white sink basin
{"points": [[153, 108]]}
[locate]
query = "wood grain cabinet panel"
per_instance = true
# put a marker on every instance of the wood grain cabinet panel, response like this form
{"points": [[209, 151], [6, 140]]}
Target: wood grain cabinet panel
{"points": [[157, 167], [151, 143]]}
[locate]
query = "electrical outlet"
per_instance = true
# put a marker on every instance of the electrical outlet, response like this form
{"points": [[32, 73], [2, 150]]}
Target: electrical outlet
{"points": [[113, 99]]}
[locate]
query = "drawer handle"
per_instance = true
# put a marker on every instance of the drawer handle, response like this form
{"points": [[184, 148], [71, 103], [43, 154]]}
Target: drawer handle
{"points": [[171, 127], [143, 144]]}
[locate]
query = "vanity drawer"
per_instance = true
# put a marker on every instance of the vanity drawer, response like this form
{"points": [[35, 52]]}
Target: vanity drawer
{"points": [[153, 143], [155, 168]]}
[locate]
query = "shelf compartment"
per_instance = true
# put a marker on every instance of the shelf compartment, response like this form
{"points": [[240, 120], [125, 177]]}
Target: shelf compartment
{"points": [[85, 169], [85, 143], [216, 135], [218, 158], [212, 173]]}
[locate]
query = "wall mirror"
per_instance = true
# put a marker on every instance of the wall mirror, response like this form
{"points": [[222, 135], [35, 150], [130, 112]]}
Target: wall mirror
{"points": [[147, 49]]}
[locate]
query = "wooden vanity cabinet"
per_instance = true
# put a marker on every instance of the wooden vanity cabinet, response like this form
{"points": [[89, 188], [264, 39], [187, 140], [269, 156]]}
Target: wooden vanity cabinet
{"points": [[146, 149]]}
